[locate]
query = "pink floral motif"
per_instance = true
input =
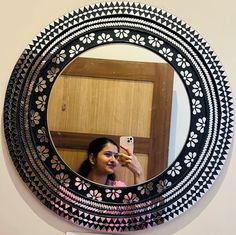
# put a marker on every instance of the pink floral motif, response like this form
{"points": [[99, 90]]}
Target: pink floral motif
{"points": [[130, 198], [113, 193], [94, 195]]}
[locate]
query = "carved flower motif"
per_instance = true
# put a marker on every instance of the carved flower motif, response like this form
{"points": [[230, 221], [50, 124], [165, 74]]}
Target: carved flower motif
{"points": [[104, 38], [88, 38], [64, 179], [162, 185], [52, 73], [60, 57], [175, 170], [146, 188], [197, 90], [81, 184], [41, 102], [121, 33], [167, 53], [137, 39], [34, 118], [94, 195], [113, 193], [57, 163], [187, 76], [196, 105], [182, 62], [43, 152], [201, 124], [192, 140], [74, 50], [40, 85], [155, 42], [189, 158], [42, 135]]}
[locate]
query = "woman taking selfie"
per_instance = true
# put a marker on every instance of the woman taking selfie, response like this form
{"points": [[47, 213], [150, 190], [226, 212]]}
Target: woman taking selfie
{"points": [[103, 159]]}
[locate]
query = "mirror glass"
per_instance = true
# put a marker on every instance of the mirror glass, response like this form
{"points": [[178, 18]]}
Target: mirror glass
{"points": [[85, 106]]}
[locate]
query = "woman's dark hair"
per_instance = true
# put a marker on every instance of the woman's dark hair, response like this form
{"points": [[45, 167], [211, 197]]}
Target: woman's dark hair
{"points": [[94, 148]]}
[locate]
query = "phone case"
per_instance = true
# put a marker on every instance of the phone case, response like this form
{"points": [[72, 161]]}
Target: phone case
{"points": [[128, 143]]}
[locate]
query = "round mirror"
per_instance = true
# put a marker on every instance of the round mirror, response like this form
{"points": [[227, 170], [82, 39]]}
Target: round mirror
{"points": [[102, 93], [174, 188]]}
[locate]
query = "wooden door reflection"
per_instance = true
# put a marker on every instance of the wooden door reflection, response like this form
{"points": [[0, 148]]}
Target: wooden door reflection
{"points": [[96, 97]]}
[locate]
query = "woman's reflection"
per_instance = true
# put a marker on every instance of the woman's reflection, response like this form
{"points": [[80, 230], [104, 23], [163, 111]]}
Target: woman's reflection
{"points": [[102, 160]]}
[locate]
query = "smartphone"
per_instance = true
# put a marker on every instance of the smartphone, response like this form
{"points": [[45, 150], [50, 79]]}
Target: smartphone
{"points": [[127, 142]]}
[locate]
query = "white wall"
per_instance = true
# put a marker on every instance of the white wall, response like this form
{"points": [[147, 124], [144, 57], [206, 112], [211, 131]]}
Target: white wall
{"points": [[21, 213]]}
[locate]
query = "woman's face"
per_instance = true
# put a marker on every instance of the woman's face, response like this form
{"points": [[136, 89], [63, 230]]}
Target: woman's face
{"points": [[107, 159]]}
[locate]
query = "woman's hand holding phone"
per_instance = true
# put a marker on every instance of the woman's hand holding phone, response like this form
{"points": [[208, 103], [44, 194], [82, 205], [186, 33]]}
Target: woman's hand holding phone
{"points": [[129, 160]]}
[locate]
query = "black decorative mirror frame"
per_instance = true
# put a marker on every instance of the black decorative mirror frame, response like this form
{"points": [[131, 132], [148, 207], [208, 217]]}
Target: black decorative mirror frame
{"points": [[157, 200]]}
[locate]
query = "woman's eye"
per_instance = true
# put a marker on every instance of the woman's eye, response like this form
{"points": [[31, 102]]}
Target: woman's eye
{"points": [[108, 154]]}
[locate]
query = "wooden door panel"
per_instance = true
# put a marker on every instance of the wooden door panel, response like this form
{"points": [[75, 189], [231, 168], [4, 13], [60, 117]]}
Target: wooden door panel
{"points": [[98, 105]]}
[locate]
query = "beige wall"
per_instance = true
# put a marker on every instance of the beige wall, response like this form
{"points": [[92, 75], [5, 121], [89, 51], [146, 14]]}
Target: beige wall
{"points": [[20, 212]]}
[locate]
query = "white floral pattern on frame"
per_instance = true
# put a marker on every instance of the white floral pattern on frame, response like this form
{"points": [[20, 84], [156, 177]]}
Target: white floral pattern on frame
{"points": [[155, 42], [187, 76], [192, 140], [42, 136], [74, 50], [103, 38], [113, 193], [41, 102], [167, 53], [41, 85], [146, 188], [52, 73], [57, 163], [81, 184], [137, 39], [94, 195], [43, 152], [88, 38], [189, 158], [182, 62], [162, 185], [201, 124], [175, 170], [121, 33], [130, 198], [64, 179], [34, 118], [196, 105], [197, 90], [60, 57]]}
